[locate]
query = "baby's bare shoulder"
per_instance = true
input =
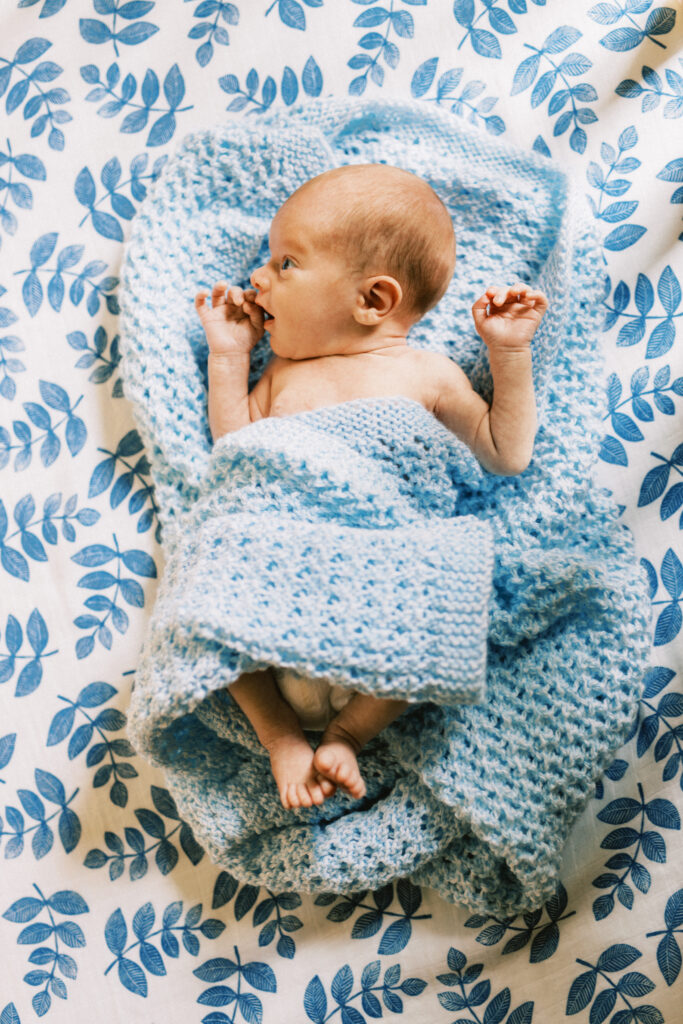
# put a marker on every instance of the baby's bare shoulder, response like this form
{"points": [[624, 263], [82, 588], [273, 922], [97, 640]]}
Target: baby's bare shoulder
{"points": [[436, 363], [439, 372]]}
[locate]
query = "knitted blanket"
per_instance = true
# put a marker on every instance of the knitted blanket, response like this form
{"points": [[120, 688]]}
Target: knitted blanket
{"points": [[364, 543], [333, 547]]}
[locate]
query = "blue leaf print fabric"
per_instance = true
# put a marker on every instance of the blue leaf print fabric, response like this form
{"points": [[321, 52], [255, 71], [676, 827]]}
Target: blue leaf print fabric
{"points": [[106, 898]]}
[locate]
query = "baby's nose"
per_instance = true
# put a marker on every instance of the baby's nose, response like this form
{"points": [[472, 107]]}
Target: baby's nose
{"points": [[258, 277]]}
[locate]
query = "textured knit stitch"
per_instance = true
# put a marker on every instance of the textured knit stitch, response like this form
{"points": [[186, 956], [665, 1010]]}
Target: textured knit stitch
{"points": [[363, 542]]}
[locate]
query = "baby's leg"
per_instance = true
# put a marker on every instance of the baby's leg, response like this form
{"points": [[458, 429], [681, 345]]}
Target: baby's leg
{"points": [[348, 732], [279, 731]]}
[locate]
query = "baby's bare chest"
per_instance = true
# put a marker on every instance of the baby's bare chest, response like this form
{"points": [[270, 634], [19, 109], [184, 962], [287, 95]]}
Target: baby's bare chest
{"points": [[303, 385]]}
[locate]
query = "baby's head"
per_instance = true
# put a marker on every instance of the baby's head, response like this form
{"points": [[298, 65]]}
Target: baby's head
{"points": [[358, 255]]}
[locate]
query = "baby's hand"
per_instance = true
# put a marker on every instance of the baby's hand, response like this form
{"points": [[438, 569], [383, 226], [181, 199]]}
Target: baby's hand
{"points": [[232, 321], [513, 318]]}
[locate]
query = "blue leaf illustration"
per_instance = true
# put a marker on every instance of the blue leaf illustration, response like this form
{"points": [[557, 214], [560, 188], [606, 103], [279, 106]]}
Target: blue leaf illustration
{"points": [[501, 21], [669, 958], [107, 226], [672, 574], [623, 237], [132, 977], [605, 14], [485, 43], [68, 902], [94, 31], [396, 937], [581, 991], [342, 984], [31, 50], [54, 396], [654, 847], [139, 562], [662, 812], [132, 35], [311, 78], [371, 18], [632, 332], [161, 131], [289, 87], [423, 77], [618, 211], [260, 976], [525, 73], [612, 452], [42, 249], [174, 87], [661, 339], [541, 90], [669, 290], [85, 188], [560, 39], [292, 14], [618, 957], [654, 485], [464, 12], [660, 21], [315, 1001], [622, 39]]}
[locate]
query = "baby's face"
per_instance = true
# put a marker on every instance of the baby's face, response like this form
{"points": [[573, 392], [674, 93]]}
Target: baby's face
{"points": [[309, 291]]}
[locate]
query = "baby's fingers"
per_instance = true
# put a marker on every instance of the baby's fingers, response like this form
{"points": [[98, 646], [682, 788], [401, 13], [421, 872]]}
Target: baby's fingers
{"points": [[200, 299], [255, 314], [479, 310], [537, 299], [482, 302], [235, 295], [218, 293], [499, 294]]}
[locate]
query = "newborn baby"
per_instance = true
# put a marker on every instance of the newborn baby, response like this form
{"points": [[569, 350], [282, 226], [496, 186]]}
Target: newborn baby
{"points": [[358, 255]]}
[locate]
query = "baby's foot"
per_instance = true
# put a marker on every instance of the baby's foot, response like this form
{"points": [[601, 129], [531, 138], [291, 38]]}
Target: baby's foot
{"points": [[291, 761], [335, 761]]}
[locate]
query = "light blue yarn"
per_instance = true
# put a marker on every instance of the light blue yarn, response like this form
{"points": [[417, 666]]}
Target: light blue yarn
{"points": [[525, 628]]}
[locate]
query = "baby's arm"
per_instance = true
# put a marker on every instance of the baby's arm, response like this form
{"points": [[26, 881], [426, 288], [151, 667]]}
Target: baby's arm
{"points": [[500, 435], [233, 324]]}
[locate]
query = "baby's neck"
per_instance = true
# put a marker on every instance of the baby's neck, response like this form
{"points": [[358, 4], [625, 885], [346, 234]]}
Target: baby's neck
{"points": [[374, 344]]}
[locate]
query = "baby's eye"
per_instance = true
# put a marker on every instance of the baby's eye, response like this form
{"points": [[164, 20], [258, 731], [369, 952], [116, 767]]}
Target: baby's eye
{"points": [[285, 260]]}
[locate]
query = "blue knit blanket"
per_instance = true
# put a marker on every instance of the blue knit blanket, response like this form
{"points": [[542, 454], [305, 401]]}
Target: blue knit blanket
{"points": [[333, 547], [362, 542]]}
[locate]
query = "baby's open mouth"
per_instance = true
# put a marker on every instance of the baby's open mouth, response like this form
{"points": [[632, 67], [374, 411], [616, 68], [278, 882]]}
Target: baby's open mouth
{"points": [[267, 316]]}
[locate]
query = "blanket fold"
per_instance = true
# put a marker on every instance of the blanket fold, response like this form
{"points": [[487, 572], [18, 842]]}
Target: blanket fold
{"points": [[307, 553], [363, 543]]}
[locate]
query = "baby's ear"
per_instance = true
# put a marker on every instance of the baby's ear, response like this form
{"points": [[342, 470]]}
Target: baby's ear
{"points": [[378, 298]]}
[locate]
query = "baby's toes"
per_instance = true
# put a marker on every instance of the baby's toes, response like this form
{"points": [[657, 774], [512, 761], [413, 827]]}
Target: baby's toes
{"points": [[357, 786], [316, 792], [292, 797], [349, 776], [324, 759], [303, 795], [346, 774], [326, 785]]}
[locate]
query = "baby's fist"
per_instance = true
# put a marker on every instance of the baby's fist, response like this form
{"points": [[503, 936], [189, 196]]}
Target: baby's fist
{"points": [[507, 317], [232, 321]]}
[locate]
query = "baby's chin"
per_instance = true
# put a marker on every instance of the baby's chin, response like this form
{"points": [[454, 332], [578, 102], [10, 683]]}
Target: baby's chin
{"points": [[285, 351], [289, 348]]}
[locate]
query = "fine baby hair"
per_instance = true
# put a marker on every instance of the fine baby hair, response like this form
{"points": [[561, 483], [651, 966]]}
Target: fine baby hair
{"points": [[389, 220]]}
